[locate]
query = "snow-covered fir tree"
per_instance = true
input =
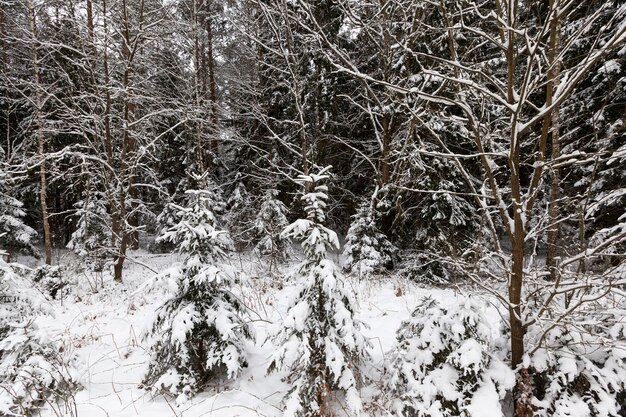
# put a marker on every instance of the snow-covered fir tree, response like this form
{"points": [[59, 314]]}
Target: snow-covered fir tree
{"points": [[609, 201], [214, 198], [37, 368], [91, 239], [576, 373], [367, 249], [199, 331], [268, 225], [440, 226], [442, 364], [320, 342], [240, 215], [170, 214], [165, 220], [51, 280], [15, 235]]}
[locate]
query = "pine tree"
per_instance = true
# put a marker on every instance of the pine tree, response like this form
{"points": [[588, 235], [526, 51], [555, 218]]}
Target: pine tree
{"points": [[239, 216], [199, 332], [432, 216], [580, 367], [593, 124], [321, 344], [165, 220]]}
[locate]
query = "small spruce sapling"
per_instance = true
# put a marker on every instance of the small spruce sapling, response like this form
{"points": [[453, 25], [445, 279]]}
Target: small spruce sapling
{"points": [[15, 235], [367, 249], [91, 240], [442, 365], [239, 216], [320, 343], [198, 333], [36, 367], [165, 220], [580, 370], [52, 280], [269, 224], [437, 227], [170, 214]]}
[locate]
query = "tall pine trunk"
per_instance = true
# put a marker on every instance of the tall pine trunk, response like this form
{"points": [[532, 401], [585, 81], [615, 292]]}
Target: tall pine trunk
{"points": [[4, 71], [212, 88], [43, 182]]}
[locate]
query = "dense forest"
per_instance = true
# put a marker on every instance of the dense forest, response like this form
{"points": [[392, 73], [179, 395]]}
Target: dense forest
{"points": [[462, 148]]}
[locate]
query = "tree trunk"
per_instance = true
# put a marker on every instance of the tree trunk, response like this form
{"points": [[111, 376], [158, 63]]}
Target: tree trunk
{"points": [[40, 137], [121, 256], [128, 144], [3, 39], [385, 169], [516, 279], [90, 26], [108, 141], [3, 71], [385, 164], [199, 79], [553, 118], [212, 90], [523, 406]]}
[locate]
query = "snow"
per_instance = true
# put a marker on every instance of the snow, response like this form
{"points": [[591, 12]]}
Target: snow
{"points": [[568, 367], [610, 66], [470, 354], [501, 374], [183, 323], [105, 329], [334, 358], [485, 402], [298, 315]]}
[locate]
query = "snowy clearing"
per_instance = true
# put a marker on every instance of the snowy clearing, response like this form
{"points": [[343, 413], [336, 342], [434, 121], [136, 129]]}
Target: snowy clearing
{"points": [[106, 328]]}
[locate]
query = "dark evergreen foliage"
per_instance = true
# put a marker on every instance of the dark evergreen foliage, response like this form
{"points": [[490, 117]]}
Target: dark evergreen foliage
{"points": [[199, 331], [320, 342]]}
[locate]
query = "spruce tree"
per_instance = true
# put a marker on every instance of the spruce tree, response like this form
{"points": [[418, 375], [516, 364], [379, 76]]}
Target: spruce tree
{"points": [[240, 215], [199, 332], [320, 343], [367, 249], [442, 364], [15, 235], [269, 223], [91, 239], [37, 368]]}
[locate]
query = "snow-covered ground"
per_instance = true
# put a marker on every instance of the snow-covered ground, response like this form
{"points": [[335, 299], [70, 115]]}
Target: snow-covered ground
{"points": [[105, 329]]}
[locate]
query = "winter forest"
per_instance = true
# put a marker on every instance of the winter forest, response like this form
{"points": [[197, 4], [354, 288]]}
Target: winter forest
{"points": [[411, 208]]}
